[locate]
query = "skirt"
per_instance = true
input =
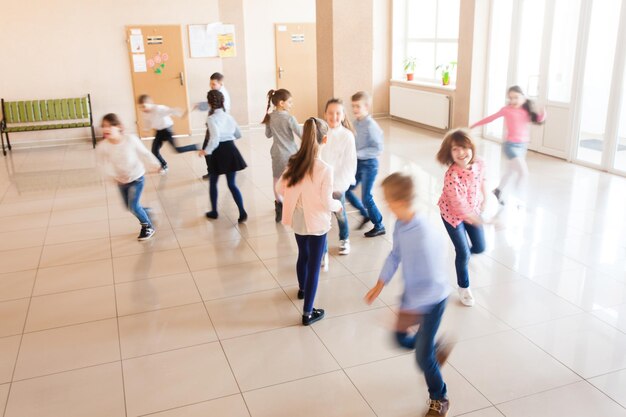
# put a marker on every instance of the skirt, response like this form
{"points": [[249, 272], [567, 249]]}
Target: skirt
{"points": [[515, 149], [225, 159]]}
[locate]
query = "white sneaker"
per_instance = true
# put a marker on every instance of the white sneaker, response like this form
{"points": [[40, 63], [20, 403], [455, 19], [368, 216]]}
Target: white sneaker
{"points": [[344, 247], [466, 297], [163, 170], [325, 262]]}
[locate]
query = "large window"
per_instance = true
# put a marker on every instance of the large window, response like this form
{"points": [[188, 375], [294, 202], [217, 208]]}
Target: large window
{"points": [[431, 36]]}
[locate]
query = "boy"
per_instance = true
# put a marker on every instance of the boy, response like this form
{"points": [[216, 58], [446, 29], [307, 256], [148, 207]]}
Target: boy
{"points": [[157, 117], [417, 246], [369, 145], [216, 83]]}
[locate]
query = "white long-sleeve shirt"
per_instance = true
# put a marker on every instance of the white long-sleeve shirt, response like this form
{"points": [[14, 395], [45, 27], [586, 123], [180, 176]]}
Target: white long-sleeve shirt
{"points": [[125, 161], [222, 128], [159, 117], [340, 153]]}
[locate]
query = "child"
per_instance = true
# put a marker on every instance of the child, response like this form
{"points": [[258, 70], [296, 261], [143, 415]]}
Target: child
{"points": [[281, 126], [224, 157], [216, 83], [340, 153], [307, 190], [518, 115], [157, 117], [418, 247], [123, 157], [369, 145], [462, 202]]}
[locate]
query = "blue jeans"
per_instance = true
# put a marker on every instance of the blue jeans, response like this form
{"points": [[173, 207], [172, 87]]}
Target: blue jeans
{"points": [[310, 252], [366, 171], [425, 349], [459, 236], [131, 193], [232, 186], [165, 135], [342, 219]]}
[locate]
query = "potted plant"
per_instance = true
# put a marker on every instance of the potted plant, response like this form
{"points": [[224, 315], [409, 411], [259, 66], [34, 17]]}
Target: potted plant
{"points": [[409, 67], [445, 71]]}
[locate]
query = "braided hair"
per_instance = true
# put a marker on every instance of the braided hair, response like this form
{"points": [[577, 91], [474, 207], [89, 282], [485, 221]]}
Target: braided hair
{"points": [[274, 97], [216, 100]]}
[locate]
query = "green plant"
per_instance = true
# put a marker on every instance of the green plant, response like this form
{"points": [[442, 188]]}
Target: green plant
{"points": [[409, 64], [445, 71]]}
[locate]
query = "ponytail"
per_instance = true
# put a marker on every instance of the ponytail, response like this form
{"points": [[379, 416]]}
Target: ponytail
{"points": [[303, 162], [528, 105], [274, 97], [266, 118]]}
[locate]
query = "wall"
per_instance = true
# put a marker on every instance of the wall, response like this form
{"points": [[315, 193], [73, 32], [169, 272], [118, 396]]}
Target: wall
{"points": [[70, 47], [382, 57], [260, 17]]}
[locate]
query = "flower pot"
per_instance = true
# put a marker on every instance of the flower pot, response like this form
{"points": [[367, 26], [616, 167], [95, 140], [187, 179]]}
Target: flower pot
{"points": [[409, 77], [445, 79]]}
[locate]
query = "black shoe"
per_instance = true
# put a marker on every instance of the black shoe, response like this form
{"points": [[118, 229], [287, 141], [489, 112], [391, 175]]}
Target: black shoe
{"points": [[365, 221], [279, 211], [376, 231], [206, 177], [300, 294], [242, 218], [498, 195], [146, 232], [316, 315], [211, 214]]}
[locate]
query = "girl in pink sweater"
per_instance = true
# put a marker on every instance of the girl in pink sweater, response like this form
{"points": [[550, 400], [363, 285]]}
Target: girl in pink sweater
{"points": [[306, 190], [461, 203], [518, 115]]}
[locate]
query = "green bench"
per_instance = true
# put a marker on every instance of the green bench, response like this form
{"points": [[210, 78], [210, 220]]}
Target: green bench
{"points": [[35, 115]]}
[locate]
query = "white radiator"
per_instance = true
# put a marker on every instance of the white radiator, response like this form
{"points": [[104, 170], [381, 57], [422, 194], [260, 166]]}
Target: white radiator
{"points": [[431, 109]]}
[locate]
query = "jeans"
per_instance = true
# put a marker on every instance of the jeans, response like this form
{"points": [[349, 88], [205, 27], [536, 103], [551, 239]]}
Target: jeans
{"points": [[459, 236], [342, 219], [165, 135], [232, 186], [366, 171], [310, 252], [425, 349], [131, 193]]}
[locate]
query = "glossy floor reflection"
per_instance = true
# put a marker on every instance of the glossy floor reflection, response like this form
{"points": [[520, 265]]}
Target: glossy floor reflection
{"points": [[202, 320]]}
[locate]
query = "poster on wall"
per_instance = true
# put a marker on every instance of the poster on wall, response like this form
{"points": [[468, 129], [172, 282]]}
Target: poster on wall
{"points": [[203, 40], [226, 44]]}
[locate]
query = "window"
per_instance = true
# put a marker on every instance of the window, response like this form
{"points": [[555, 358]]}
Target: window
{"points": [[431, 36]]}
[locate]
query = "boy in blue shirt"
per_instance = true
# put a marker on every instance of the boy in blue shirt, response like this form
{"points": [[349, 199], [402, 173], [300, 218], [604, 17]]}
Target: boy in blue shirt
{"points": [[419, 248], [369, 146]]}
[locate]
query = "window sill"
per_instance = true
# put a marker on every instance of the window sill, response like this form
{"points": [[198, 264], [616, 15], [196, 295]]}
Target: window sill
{"points": [[423, 84]]}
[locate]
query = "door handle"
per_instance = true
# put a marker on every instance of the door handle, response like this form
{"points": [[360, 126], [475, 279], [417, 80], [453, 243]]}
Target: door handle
{"points": [[280, 72], [182, 78]]}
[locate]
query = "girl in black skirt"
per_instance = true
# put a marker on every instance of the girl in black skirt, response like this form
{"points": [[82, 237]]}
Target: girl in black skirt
{"points": [[224, 155]]}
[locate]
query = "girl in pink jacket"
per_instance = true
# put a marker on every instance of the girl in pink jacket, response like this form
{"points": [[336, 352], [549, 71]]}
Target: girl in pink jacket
{"points": [[306, 188], [518, 115]]}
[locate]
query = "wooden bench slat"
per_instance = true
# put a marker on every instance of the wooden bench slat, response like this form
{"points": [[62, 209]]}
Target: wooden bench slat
{"points": [[36, 110]]}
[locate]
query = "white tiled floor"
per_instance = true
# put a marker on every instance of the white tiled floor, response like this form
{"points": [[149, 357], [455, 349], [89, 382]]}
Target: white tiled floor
{"points": [[203, 319]]}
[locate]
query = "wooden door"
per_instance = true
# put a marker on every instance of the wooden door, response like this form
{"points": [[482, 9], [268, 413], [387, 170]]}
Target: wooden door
{"points": [[296, 66], [157, 67]]}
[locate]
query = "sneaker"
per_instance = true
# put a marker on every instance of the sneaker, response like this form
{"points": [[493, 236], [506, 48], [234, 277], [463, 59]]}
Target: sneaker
{"points": [[376, 231], [211, 214], [498, 195], [206, 177], [163, 170], [325, 262], [467, 299], [316, 315], [300, 294], [146, 232], [344, 247], [438, 408], [365, 221], [278, 207]]}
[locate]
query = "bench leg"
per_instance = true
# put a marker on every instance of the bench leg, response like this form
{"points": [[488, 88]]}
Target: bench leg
{"points": [[4, 152], [8, 141], [93, 137]]}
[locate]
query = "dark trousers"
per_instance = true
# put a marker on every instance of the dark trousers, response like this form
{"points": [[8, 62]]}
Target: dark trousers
{"points": [[165, 135], [310, 252]]}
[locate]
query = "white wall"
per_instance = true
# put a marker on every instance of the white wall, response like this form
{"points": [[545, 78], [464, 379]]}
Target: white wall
{"points": [[260, 17], [69, 48]]}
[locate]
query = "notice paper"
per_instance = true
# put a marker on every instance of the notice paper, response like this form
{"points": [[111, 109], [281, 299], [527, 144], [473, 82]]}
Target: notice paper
{"points": [[139, 63], [136, 43]]}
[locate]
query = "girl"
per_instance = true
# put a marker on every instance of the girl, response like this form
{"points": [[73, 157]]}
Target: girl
{"points": [[124, 158], [307, 190], [340, 153], [224, 155], [462, 202], [518, 114], [281, 126]]}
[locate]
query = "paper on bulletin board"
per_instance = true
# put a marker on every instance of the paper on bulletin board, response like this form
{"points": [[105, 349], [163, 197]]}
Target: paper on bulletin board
{"points": [[139, 63], [203, 40], [226, 42], [136, 43]]}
